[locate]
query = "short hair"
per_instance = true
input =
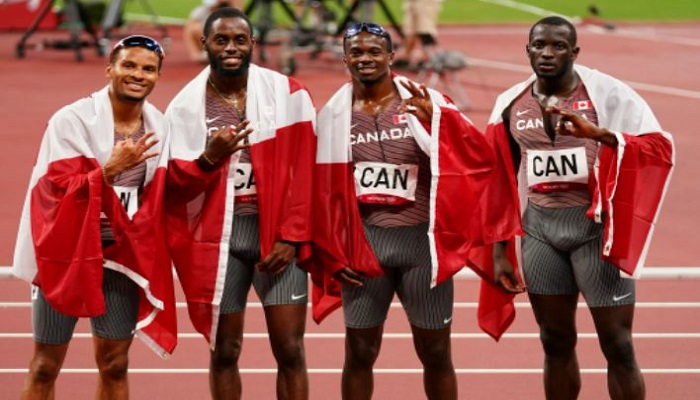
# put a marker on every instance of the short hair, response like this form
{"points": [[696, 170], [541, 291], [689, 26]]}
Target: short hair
{"points": [[225, 12], [556, 20]]}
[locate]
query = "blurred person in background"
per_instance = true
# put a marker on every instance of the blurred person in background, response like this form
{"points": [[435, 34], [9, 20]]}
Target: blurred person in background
{"points": [[192, 31]]}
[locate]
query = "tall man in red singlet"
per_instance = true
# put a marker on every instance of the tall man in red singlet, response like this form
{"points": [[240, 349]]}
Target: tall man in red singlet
{"points": [[592, 166]]}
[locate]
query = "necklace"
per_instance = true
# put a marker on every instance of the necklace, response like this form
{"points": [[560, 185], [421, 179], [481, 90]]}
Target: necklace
{"points": [[127, 129], [234, 100]]}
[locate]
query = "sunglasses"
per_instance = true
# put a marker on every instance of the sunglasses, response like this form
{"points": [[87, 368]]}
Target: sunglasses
{"points": [[369, 27], [142, 41]]}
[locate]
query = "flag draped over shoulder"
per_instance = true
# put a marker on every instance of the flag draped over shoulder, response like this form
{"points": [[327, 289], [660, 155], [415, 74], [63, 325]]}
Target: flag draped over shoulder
{"points": [[200, 204], [631, 179], [461, 163], [59, 246]]}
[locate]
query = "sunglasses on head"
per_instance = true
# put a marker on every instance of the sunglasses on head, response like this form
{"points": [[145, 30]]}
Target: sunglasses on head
{"points": [[369, 27], [142, 41]]}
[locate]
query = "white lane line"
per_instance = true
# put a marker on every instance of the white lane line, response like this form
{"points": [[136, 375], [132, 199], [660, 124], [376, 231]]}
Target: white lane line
{"points": [[335, 371], [459, 304], [528, 8], [671, 91], [337, 335]]}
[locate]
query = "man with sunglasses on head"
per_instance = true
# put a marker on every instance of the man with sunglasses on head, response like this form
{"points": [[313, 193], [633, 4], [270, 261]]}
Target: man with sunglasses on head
{"points": [[239, 203], [590, 162], [91, 240], [400, 171]]}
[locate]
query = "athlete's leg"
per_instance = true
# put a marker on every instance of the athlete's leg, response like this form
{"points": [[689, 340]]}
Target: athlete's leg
{"points": [[611, 300], [434, 351], [43, 370], [113, 333], [614, 328], [286, 325], [112, 358], [556, 317], [361, 350], [52, 334], [224, 377]]}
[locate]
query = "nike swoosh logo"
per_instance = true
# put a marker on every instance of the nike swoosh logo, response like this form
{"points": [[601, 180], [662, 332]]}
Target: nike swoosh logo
{"points": [[353, 126], [209, 121], [447, 320], [618, 298], [521, 112], [298, 296]]}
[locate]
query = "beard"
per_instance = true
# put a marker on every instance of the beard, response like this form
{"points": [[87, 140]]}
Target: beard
{"points": [[218, 66]]}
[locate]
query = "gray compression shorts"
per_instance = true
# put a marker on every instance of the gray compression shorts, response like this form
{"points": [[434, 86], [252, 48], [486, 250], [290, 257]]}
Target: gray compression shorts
{"points": [[404, 254], [289, 287], [118, 322], [562, 256]]}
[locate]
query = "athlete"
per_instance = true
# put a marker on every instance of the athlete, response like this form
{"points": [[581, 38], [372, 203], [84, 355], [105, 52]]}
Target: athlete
{"points": [[239, 203], [91, 240], [404, 222], [592, 164]]}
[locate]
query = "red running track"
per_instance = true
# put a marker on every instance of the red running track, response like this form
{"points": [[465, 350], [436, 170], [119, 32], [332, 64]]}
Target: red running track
{"points": [[653, 58]]}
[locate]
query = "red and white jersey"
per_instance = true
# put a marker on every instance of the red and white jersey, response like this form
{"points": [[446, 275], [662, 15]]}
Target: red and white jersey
{"points": [[629, 181], [392, 174], [557, 169]]}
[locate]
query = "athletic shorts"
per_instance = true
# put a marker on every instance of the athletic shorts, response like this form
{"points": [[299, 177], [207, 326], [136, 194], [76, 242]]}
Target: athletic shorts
{"points": [[421, 17], [404, 254], [118, 322], [289, 287], [562, 255]]}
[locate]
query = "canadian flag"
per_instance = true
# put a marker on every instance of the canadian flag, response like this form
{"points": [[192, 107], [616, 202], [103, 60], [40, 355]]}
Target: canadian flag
{"points": [[583, 105], [400, 119]]}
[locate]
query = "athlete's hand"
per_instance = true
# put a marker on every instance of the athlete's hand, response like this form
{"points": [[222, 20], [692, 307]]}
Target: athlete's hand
{"points": [[227, 141], [348, 276], [572, 124], [503, 271], [420, 104], [278, 260], [127, 154]]}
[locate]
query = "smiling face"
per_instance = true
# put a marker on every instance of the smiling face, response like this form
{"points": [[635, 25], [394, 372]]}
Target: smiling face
{"points": [[229, 45], [552, 51], [133, 73], [367, 57]]}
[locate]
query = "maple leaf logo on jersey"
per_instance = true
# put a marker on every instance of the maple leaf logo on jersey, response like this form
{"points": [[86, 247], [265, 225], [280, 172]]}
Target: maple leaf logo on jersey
{"points": [[400, 119], [583, 105]]}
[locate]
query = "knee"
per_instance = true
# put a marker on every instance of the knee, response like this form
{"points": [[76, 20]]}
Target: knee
{"points": [[44, 370], [435, 354], [360, 354], [226, 354], [619, 351], [558, 344], [289, 353], [113, 367]]}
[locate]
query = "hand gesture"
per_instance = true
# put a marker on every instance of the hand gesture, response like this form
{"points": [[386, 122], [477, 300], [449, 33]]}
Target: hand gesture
{"points": [[127, 154], [278, 260], [227, 141], [572, 124], [419, 104]]}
